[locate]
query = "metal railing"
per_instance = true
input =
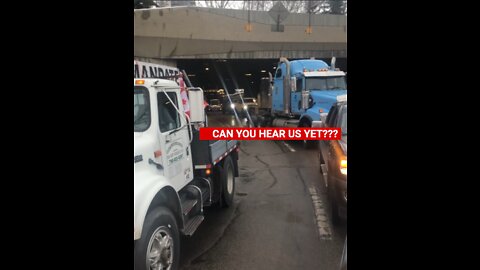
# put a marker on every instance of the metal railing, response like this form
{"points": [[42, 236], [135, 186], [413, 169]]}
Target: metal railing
{"points": [[337, 7]]}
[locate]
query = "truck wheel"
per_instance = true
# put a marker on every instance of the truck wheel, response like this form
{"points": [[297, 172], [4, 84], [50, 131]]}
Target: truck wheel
{"points": [[227, 176], [307, 144], [159, 246], [333, 202]]}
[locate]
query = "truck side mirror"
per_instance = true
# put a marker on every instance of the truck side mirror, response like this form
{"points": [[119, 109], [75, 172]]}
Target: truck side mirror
{"points": [[305, 97], [293, 84], [197, 112]]}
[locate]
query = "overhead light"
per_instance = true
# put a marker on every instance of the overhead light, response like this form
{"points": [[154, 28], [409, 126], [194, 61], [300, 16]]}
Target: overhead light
{"points": [[206, 68], [248, 74], [274, 67], [263, 70], [191, 75]]}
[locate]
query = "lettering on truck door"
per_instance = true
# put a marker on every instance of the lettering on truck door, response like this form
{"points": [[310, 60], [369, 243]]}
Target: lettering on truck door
{"points": [[174, 138]]}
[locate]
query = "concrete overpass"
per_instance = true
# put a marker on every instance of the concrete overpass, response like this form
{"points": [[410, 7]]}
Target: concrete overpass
{"points": [[207, 33]]}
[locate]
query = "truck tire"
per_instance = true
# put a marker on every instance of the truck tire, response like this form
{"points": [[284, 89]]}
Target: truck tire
{"points": [[227, 177], [307, 144], [159, 246]]}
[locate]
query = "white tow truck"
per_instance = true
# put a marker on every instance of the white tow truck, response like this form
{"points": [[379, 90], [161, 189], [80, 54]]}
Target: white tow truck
{"points": [[176, 174]]}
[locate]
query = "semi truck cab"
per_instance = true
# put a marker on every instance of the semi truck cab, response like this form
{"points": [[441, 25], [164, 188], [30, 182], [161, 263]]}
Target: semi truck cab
{"points": [[304, 89]]}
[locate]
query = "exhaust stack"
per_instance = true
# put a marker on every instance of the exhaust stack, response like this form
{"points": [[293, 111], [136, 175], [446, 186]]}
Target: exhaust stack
{"points": [[286, 86]]}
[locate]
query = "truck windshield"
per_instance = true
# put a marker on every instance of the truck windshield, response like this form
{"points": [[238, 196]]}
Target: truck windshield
{"points": [[215, 102], [141, 109], [325, 83]]}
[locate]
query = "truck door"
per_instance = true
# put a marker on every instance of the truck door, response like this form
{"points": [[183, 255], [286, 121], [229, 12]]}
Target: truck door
{"points": [[277, 95], [296, 97], [174, 139]]}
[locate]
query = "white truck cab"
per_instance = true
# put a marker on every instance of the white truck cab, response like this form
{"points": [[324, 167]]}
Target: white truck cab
{"points": [[175, 174]]}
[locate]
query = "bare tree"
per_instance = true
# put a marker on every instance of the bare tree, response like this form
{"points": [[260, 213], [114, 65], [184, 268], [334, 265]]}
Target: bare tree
{"points": [[216, 4], [338, 6], [314, 6], [291, 6], [302, 6], [326, 6], [261, 5], [294, 6]]}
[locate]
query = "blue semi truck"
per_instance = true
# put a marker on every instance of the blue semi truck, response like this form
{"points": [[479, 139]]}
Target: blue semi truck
{"points": [[299, 92]]}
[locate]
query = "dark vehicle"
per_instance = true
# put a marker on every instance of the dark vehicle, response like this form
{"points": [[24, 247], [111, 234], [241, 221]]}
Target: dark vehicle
{"points": [[214, 106], [250, 102], [251, 105], [333, 161], [236, 104]]}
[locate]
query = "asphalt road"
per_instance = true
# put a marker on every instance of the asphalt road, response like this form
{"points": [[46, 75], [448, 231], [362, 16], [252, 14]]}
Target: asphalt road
{"points": [[280, 217]]}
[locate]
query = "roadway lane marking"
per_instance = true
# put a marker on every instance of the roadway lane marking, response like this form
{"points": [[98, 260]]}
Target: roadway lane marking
{"points": [[320, 215], [288, 146]]}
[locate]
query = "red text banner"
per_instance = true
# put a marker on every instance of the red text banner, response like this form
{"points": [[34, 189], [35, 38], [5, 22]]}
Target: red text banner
{"points": [[233, 133]]}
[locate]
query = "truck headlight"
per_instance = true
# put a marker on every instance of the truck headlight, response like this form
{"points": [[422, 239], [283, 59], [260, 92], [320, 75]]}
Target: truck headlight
{"points": [[232, 106], [245, 107], [343, 166]]}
